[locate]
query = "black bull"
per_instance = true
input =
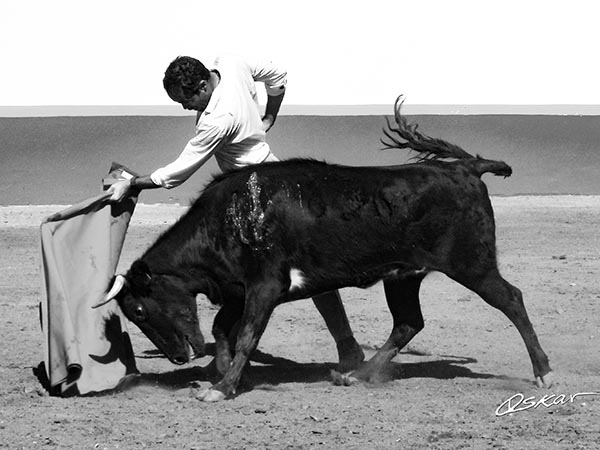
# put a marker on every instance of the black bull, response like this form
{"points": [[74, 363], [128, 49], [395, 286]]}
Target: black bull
{"points": [[278, 232]]}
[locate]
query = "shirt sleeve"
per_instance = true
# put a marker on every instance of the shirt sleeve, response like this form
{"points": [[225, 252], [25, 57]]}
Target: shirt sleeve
{"points": [[209, 138], [272, 75]]}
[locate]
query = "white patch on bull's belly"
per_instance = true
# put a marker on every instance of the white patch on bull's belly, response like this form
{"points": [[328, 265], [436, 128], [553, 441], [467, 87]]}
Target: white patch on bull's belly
{"points": [[297, 279]]}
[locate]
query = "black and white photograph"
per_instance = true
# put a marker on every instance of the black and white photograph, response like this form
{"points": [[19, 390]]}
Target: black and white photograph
{"points": [[299, 225]]}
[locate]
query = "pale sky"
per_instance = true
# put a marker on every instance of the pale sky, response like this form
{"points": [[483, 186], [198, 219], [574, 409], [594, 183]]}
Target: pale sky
{"points": [[114, 52]]}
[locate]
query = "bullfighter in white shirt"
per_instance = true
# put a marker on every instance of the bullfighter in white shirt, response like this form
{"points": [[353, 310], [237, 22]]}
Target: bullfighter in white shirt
{"points": [[229, 126]]}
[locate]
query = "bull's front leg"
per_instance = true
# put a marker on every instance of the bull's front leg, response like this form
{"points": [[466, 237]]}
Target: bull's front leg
{"points": [[260, 302], [226, 323]]}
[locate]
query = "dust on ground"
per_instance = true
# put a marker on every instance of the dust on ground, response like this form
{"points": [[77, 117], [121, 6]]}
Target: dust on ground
{"points": [[445, 390]]}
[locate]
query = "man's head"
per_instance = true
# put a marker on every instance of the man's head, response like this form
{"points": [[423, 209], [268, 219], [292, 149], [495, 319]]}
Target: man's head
{"points": [[187, 81]]}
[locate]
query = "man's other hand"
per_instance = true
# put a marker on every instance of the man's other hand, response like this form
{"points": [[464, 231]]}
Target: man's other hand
{"points": [[267, 122]]}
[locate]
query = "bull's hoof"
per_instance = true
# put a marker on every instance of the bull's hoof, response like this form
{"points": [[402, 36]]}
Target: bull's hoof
{"points": [[545, 381], [368, 373], [343, 379], [350, 354], [211, 395]]}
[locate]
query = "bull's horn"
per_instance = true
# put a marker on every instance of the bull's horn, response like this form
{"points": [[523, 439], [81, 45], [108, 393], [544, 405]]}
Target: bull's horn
{"points": [[118, 284]]}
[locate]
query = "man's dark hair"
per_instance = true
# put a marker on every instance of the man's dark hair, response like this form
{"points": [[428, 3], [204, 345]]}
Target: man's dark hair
{"points": [[184, 73]]}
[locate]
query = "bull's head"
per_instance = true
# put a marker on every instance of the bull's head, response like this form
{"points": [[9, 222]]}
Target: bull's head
{"points": [[162, 308]]}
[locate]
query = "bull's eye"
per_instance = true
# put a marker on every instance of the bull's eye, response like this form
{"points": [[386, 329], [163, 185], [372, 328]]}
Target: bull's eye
{"points": [[139, 312]]}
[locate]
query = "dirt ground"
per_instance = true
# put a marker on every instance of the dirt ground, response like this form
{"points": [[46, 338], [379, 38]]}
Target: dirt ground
{"points": [[445, 392]]}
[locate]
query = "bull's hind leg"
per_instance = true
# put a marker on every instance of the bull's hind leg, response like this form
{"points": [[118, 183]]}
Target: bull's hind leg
{"points": [[402, 297], [499, 293]]}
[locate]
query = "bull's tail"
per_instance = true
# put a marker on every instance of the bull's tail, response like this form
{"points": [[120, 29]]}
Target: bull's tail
{"points": [[405, 135], [481, 166]]}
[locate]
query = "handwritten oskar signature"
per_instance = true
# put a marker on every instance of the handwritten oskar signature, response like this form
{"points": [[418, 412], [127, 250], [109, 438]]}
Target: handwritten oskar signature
{"points": [[519, 402]]}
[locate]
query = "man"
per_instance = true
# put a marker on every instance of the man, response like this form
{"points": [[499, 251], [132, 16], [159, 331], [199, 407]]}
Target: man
{"points": [[229, 127]]}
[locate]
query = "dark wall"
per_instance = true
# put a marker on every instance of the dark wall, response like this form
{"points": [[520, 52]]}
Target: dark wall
{"points": [[61, 160]]}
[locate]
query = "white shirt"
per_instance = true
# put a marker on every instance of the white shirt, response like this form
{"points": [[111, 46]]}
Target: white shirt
{"points": [[231, 126]]}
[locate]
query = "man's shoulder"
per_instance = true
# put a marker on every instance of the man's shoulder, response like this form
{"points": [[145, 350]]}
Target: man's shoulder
{"points": [[217, 121]]}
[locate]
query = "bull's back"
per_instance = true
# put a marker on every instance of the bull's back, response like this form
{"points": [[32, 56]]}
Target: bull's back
{"points": [[353, 215], [387, 195]]}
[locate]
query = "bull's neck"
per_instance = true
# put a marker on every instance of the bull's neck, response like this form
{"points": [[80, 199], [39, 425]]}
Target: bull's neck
{"points": [[187, 251]]}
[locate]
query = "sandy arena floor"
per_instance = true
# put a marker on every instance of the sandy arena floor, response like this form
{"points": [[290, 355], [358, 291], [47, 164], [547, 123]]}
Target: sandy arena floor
{"points": [[445, 393]]}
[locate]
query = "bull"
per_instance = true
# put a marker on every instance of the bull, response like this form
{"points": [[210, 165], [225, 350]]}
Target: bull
{"points": [[278, 232]]}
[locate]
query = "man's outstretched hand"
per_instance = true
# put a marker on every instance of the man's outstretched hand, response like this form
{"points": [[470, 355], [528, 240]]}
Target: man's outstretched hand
{"points": [[120, 190]]}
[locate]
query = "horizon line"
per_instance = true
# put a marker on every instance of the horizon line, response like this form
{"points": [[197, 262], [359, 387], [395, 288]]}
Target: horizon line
{"points": [[304, 110]]}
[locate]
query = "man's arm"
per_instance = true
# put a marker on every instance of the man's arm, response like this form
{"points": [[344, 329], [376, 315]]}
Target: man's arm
{"points": [[125, 188], [271, 110], [197, 151], [274, 77]]}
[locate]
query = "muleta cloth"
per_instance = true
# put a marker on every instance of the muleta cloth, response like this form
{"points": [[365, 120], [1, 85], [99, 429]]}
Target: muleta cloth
{"points": [[87, 350]]}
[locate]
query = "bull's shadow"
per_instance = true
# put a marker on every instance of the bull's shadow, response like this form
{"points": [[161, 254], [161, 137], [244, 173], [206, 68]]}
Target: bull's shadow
{"points": [[269, 370]]}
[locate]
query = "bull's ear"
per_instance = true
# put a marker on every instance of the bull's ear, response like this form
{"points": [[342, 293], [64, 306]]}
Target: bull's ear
{"points": [[140, 275]]}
